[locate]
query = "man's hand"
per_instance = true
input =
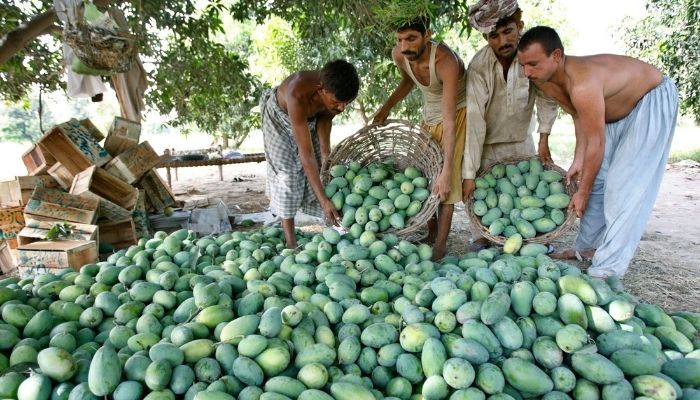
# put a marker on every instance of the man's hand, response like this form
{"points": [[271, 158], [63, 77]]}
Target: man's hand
{"points": [[380, 117], [329, 212], [579, 202], [573, 172], [544, 153], [442, 186], [468, 186]]}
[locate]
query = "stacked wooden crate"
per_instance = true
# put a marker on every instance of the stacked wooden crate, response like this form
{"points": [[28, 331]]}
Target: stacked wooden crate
{"points": [[103, 194]]}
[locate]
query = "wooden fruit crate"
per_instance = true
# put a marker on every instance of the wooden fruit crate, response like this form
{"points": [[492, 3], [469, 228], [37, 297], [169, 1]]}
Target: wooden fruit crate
{"points": [[16, 192], [74, 147], [37, 160], [116, 145], [117, 199], [158, 195], [35, 230], [132, 163], [45, 256], [119, 234], [126, 128], [95, 132], [62, 206], [62, 175], [123, 134]]}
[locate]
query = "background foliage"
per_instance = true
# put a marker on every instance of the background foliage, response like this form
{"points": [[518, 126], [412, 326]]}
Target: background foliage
{"points": [[669, 37], [209, 60]]}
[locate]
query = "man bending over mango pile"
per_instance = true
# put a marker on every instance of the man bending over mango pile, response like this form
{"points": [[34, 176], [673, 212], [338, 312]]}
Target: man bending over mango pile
{"points": [[296, 123], [624, 113]]}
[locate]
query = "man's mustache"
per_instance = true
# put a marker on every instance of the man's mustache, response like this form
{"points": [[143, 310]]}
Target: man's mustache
{"points": [[409, 53], [506, 47]]}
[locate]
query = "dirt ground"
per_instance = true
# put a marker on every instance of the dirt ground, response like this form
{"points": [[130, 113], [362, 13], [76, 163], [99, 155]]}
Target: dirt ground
{"points": [[665, 269]]}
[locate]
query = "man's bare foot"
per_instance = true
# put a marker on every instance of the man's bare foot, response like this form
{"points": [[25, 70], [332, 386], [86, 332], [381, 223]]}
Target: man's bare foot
{"points": [[571, 254], [478, 244]]}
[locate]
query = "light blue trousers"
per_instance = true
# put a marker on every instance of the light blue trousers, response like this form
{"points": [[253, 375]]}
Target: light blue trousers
{"points": [[625, 189]]}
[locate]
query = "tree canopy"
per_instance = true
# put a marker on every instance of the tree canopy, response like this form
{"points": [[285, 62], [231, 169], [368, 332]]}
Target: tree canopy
{"points": [[669, 37], [199, 73]]}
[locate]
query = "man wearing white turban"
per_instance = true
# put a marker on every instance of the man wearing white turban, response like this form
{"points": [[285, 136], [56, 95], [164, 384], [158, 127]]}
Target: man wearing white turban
{"points": [[500, 99]]}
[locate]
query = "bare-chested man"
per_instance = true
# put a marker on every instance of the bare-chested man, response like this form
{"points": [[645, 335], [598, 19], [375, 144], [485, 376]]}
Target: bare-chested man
{"points": [[441, 76], [624, 113], [296, 124]]}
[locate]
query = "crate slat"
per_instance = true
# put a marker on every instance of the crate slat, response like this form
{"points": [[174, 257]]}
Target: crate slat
{"points": [[7, 261], [53, 256], [117, 198], [15, 192], [37, 160], [61, 175], [119, 234], [133, 163], [158, 195], [53, 203], [36, 230]]}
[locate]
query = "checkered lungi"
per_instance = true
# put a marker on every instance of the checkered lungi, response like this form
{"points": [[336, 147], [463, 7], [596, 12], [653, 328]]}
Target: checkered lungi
{"points": [[287, 186]]}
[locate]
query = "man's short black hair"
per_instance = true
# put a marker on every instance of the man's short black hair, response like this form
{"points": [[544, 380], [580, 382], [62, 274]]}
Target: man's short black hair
{"points": [[420, 25], [545, 36], [340, 78]]}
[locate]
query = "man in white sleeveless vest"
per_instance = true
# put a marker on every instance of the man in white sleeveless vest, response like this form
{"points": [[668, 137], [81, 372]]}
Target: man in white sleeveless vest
{"points": [[500, 99], [440, 75]]}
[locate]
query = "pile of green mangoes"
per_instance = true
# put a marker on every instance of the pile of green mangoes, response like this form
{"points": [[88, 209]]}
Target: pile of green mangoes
{"points": [[238, 316]]}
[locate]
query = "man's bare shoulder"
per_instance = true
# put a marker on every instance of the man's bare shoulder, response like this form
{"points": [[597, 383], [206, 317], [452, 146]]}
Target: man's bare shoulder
{"points": [[299, 83], [446, 60]]}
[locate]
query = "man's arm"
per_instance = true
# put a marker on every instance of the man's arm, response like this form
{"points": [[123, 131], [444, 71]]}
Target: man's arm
{"points": [[589, 121], [478, 95], [323, 130], [302, 136], [402, 90], [448, 70], [547, 111]]}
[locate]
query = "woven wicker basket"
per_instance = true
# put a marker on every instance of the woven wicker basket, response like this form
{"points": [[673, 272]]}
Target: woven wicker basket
{"points": [[475, 220], [404, 142], [100, 48]]}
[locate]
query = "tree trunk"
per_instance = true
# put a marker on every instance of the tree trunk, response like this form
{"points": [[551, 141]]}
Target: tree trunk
{"points": [[224, 141], [238, 142], [362, 111], [18, 38]]}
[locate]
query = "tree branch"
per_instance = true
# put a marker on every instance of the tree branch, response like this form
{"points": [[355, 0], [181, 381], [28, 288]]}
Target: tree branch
{"points": [[18, 38]]}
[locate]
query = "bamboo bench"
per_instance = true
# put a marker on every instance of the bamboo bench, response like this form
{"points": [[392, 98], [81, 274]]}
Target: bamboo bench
{"points": [[168, 162]]}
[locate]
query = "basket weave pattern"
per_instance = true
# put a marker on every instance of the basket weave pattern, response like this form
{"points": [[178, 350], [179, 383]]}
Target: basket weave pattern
{"points": [[100, 48], [546, 238], [404, 142]]}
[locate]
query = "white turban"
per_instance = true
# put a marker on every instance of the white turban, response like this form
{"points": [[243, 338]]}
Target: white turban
{"points": [[484, 15]]}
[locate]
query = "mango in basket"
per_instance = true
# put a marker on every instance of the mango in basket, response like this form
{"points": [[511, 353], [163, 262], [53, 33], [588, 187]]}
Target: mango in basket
{"points": [[520, 198]]}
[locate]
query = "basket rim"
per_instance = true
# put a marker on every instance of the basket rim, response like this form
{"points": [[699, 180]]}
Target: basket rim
{"points": [[430, 205], [546, 238]]}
